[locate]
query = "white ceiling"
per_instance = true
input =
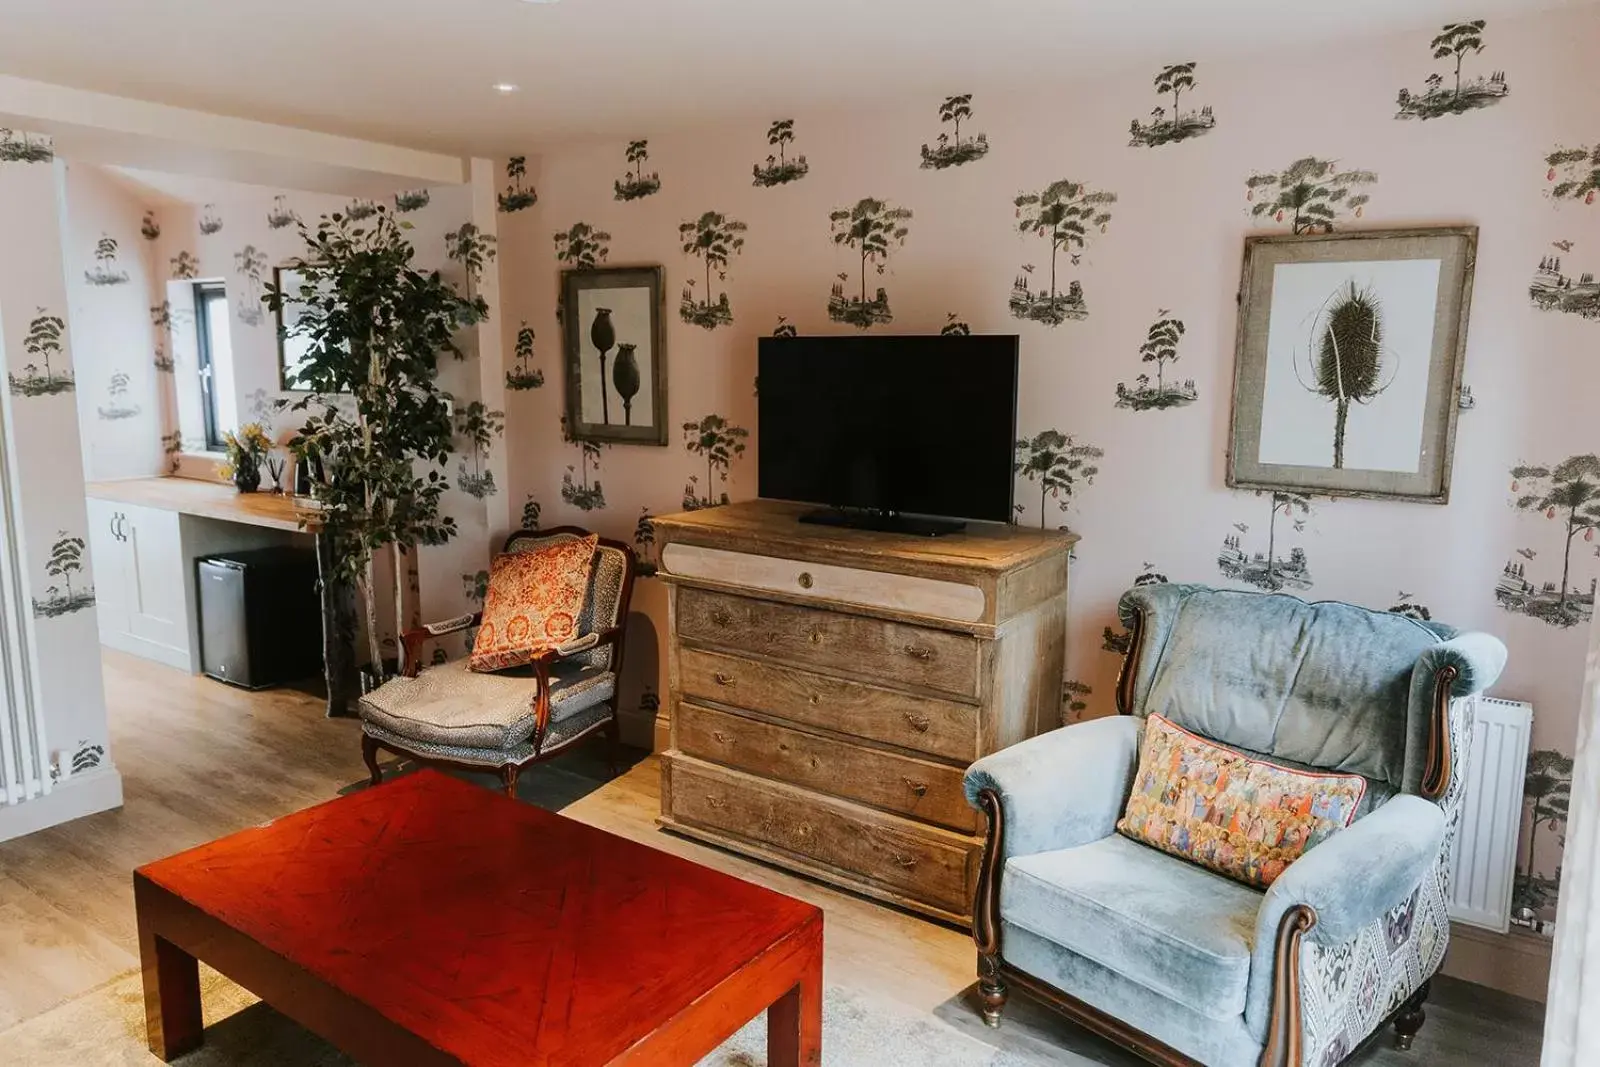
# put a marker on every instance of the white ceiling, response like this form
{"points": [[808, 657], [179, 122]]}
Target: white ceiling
{"points": [[419, 72]]}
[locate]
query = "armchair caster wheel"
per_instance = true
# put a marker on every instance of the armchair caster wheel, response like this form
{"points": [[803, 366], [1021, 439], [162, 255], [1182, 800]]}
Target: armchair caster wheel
{"points": [[991, 990], [1410, 1018]]}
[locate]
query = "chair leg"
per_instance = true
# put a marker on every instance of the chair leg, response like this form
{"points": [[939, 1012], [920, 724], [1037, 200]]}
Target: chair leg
{"points": [[1410, 1018], [369, 754], [508, 779], [992, 989]]}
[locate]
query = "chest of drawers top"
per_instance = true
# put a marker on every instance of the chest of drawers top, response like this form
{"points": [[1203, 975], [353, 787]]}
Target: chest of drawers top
{"points": [[974, 580]]}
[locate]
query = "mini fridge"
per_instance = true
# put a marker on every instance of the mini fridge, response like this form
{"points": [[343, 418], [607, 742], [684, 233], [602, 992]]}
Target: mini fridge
{"points": [[260, 616]]}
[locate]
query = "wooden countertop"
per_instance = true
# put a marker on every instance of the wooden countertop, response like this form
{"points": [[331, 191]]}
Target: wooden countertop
{"points": [[211, 500]]}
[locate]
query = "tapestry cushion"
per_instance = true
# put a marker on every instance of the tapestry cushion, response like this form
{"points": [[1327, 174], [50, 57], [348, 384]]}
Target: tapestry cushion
{"points": [[1244, 818], [534, 602]]}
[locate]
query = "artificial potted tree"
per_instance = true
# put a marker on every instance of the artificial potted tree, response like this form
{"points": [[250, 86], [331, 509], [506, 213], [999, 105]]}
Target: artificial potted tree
{"points": [[378, 429]]}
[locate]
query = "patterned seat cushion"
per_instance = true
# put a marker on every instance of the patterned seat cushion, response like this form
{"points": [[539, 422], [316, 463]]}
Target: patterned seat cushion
{"points": [[452, 705]]}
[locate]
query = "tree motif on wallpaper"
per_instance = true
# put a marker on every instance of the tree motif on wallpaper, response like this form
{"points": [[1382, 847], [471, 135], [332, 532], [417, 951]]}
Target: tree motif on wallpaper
{"points": [[576, 490], [779, 169], [1546, 794], [360, 209], [644, 544], [1067, 214], [1345, 362], [785, 328], [1405, 604], [149, 228], [1115, 638], [66, 560], [954, 326], [1574, 173], [872, 229], [952, 151], [1161, 348], [718, 442], [636, 183], [44, 342], [163, 362], [87, 756], [411, 200], [1163, 129], [1554, 290], [713, 238], [523, 375], [1455, 42], [517, 196], [478, 426], [1074, 700], [118, 406], [1056, 463], [280, 215], [210, 221], [1568, 494], [185, 266], [475, 587], [1309, 194], [530, 513], [104, 271], [251, 263], [470, 247], [24, 147], [582, 247], [1269, 571], [171, 447]]}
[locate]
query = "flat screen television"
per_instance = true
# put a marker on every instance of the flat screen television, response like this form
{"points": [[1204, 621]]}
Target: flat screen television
{"points": [[903, 433]]}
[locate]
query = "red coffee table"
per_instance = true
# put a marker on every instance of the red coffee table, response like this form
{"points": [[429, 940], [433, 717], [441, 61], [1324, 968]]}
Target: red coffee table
{"points": [[428, 921]]}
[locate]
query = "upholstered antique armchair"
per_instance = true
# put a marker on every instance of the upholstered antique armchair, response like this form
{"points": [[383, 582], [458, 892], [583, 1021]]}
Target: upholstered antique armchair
{"points": [[1184, 966], [505, 721]]}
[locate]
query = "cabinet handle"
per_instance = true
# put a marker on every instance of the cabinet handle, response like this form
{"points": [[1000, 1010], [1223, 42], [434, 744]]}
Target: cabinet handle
{"points": [[714, 802], [721, 738], [816, 637], [919, 788], [720, 617], [919, 723], [902, 861], [919, 653], [813, 700], [804, 579], [722, 678]]}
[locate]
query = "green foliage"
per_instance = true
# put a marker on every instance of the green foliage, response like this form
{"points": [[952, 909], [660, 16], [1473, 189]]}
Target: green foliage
{"points": [[1576, 173], [478, 426], [523, 376], [1055, 461], [517, 197], [1161, 344], [66, 558], [780, 169], [582, 247], [470, 247], [1310, 191], [637, 183], [1073, 704]]}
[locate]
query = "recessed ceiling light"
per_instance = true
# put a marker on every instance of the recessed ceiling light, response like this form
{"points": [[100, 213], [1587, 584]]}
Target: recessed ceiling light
{"points": [[505, 87]]}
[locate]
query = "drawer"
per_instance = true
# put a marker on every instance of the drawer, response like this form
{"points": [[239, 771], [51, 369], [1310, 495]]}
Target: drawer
{"points": [[891, 652], [922, 863], [944, 728], [909, 593], [901, 784]]}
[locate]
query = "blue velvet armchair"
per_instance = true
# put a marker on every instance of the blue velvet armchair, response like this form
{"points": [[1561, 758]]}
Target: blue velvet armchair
{"points": [[1184, 966]]}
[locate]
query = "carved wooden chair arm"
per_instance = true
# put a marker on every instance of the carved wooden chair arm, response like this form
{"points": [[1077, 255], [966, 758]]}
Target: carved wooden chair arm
{"points": [[412, 640]]}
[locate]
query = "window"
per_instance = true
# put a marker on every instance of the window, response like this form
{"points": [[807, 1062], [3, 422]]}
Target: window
{"points": [[214, 361]]}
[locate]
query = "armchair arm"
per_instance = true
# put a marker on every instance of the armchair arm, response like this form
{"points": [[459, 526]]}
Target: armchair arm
{"points": [[1445, 675], [1336, 890], [412, 640], [545, 660]]}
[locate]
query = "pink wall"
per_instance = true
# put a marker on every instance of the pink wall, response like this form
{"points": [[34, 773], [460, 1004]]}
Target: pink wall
{"points": [[1174, 242]]}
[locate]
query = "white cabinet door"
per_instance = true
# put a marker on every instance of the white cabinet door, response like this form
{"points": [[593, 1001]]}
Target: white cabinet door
{"points": [[109, 560], [156, 580]]}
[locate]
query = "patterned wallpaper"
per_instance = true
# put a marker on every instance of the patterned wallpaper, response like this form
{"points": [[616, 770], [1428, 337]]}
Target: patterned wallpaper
{"points": [[1104, 223]]}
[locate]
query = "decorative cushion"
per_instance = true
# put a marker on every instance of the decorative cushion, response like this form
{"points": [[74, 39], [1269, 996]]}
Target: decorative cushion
{"points": [[534, 601], [1245, 818]]}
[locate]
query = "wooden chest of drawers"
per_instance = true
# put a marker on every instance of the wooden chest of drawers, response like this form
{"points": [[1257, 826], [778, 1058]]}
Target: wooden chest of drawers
{"points": [[829, 688]]}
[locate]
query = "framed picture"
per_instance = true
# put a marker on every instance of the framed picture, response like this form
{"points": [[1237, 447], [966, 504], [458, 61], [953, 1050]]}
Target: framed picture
{"points": [[291, 350], [1347, 377], [616, 359]]}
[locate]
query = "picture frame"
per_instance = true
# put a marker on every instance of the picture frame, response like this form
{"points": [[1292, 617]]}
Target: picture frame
{"points": [[615, 394], [1348, 360]]}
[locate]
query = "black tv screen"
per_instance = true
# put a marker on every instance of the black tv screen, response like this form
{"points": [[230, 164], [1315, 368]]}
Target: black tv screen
{"points": [[914, 425]]}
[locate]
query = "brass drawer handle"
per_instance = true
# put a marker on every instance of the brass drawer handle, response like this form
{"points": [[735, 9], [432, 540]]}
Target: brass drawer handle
{"points": [[919, 653], [813, 700], [722, 678], [721, 738], [919, 723], [804, 579], [919, 788], [903, 862], [714, 802], [720, 617], [816, 637]]}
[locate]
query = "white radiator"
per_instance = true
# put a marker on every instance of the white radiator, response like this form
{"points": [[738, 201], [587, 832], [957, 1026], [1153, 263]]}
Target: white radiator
{"points": [[24, 755], [1485, 861]]}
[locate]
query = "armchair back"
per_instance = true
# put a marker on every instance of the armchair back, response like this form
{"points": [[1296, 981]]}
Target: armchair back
{"points": [[610, 587], [1324, 685]]}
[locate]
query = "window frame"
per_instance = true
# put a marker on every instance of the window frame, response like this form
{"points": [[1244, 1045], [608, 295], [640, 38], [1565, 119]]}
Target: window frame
{"points": [[204, 293]]}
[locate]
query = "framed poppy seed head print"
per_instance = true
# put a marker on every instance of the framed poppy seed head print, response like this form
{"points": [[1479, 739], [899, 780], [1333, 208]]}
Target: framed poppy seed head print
{"points": [[616, 363], [1347, 373]]}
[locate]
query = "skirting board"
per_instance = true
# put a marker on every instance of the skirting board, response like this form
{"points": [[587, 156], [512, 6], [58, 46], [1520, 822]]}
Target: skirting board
{"points": [[82, 794], [1517, 962]]}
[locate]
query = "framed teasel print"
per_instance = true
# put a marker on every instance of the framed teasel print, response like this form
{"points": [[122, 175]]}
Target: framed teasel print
{"points": [[615, 355], [1347, 374]]}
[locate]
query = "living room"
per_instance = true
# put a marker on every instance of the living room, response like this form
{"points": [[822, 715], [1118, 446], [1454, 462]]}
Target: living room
{"points": [[1136, 290]]}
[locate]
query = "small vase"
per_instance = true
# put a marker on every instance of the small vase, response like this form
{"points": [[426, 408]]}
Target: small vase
{"points": [[246, 474]]}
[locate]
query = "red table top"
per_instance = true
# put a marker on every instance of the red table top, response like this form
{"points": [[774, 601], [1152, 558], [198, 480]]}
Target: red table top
{"points": [[495, 930]]}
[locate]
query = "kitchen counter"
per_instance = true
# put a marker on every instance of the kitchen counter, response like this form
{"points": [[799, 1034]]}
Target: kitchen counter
{"points": [[210, 500]]}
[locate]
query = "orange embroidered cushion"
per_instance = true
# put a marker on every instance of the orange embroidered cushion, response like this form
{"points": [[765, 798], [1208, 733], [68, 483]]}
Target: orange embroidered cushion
{"points": [[534, 602], [1242, 817]]}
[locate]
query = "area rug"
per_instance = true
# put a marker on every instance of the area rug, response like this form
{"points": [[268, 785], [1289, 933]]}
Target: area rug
{"points": [[106, 1027]]}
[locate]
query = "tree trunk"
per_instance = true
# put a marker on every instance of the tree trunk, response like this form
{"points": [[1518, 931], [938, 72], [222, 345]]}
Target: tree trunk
{"points": [[708, 479], [1272, 537], [369, 604], [863, 273], [1459, 58], [400, 583], [958, 132], [1055, 246], [1341, 415], [1175, 94], [780, 153], [1566, 558], [1044, 489], [1533, 834], [1160, 384], [708, 282]]}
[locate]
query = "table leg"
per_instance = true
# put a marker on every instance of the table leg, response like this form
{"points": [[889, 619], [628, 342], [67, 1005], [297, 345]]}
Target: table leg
{"points": [[794, 1021], [172, 1019]]}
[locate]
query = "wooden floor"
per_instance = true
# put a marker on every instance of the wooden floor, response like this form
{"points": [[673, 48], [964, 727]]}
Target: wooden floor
{"points": [[200, 759]]}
